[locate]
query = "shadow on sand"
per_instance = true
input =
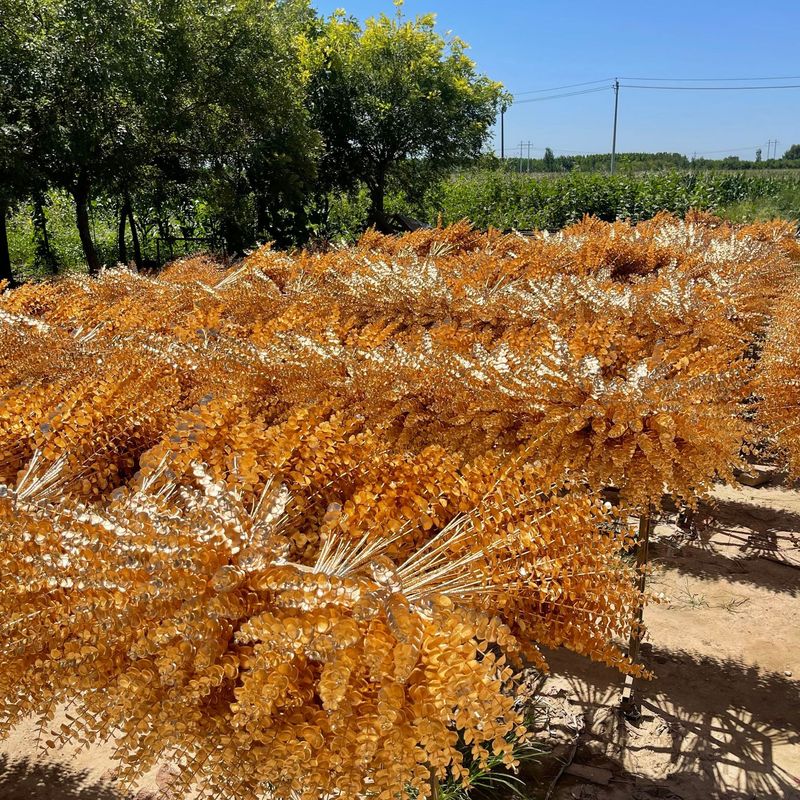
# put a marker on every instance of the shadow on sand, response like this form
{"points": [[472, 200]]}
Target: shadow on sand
{"points": [[741, 542], [28, 779], [710, 729]]}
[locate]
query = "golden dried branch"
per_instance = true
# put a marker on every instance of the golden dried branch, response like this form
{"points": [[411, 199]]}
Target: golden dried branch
{"points": [[779, 410], [292, 524]]}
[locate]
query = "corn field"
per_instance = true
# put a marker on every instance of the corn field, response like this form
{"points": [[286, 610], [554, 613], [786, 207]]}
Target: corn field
{"points": [[508, 200]]}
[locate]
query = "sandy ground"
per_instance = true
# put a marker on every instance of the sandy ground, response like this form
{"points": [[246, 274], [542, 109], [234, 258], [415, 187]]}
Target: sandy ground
{"points": [[721, 719]]}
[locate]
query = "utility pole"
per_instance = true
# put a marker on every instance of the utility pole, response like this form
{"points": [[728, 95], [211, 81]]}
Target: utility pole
{"points": [[502, 133], [614, 136], [521, 145], [772, 144], [529, 157]]}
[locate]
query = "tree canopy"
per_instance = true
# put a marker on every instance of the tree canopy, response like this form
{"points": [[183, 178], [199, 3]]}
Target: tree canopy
{"points": [[226, 119], [392, 92]]}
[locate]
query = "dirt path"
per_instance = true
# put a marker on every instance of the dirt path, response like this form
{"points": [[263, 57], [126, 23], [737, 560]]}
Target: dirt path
{"points": [[722, 717], [720, 720]]}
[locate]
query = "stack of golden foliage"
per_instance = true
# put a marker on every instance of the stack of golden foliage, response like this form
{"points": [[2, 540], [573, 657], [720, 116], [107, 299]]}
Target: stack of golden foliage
{"points": [[293, 525], [779, 410]]}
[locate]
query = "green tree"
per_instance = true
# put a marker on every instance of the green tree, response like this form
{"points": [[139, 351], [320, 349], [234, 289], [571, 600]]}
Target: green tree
{"points": [[95, 57], [20, 142], [249, 140], [393, 93], [793, 153], [165, 106], [549, 160]]}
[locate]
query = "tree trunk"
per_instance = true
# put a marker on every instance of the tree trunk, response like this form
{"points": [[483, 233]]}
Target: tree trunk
{"points": [[137, 250], [44, 254], [162, 238], [377, 214], [122, 248], [81, 195], [163, 225], [234, 237], [262, 216], [5, 255]]}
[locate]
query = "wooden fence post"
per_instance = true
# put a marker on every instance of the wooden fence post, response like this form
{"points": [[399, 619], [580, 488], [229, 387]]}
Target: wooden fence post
{"points": [[629, 707]]}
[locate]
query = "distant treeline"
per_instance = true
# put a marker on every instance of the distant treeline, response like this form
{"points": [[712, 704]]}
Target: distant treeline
{"points": [[640, 162]]}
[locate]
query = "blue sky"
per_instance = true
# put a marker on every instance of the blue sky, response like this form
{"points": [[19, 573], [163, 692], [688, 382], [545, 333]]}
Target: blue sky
{"points": [[529, 45]]}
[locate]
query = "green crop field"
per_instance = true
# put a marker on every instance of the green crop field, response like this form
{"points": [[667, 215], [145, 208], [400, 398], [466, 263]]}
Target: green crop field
{"points": [[508, 200]]}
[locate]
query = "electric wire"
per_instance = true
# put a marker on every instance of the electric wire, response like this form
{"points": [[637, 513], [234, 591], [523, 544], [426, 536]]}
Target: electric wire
{"points": [[728, 150], [669, 80], [673, 87], [567, 86], [569, 151], [708, 88], [712, 80], [565, 94]]}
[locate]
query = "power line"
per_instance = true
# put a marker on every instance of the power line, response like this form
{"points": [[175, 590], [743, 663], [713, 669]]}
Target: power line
{"points": [[728, 150], [569, 86], [571, 152], [667, 80], [595, 88], [565, 94], [709, 88], [711, 80]]}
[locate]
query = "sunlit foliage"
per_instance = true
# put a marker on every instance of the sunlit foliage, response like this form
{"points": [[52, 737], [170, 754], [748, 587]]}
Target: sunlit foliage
{"points": [[293, 525], [780, 385]]}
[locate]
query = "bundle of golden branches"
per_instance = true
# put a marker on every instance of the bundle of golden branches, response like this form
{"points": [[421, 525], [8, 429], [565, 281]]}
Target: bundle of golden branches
{"points": [[291, 524], [779, 411]]}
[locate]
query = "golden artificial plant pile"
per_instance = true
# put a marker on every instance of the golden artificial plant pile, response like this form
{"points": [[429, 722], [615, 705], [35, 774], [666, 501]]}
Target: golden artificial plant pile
{"points": [[293, 525], [780, 380]]}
